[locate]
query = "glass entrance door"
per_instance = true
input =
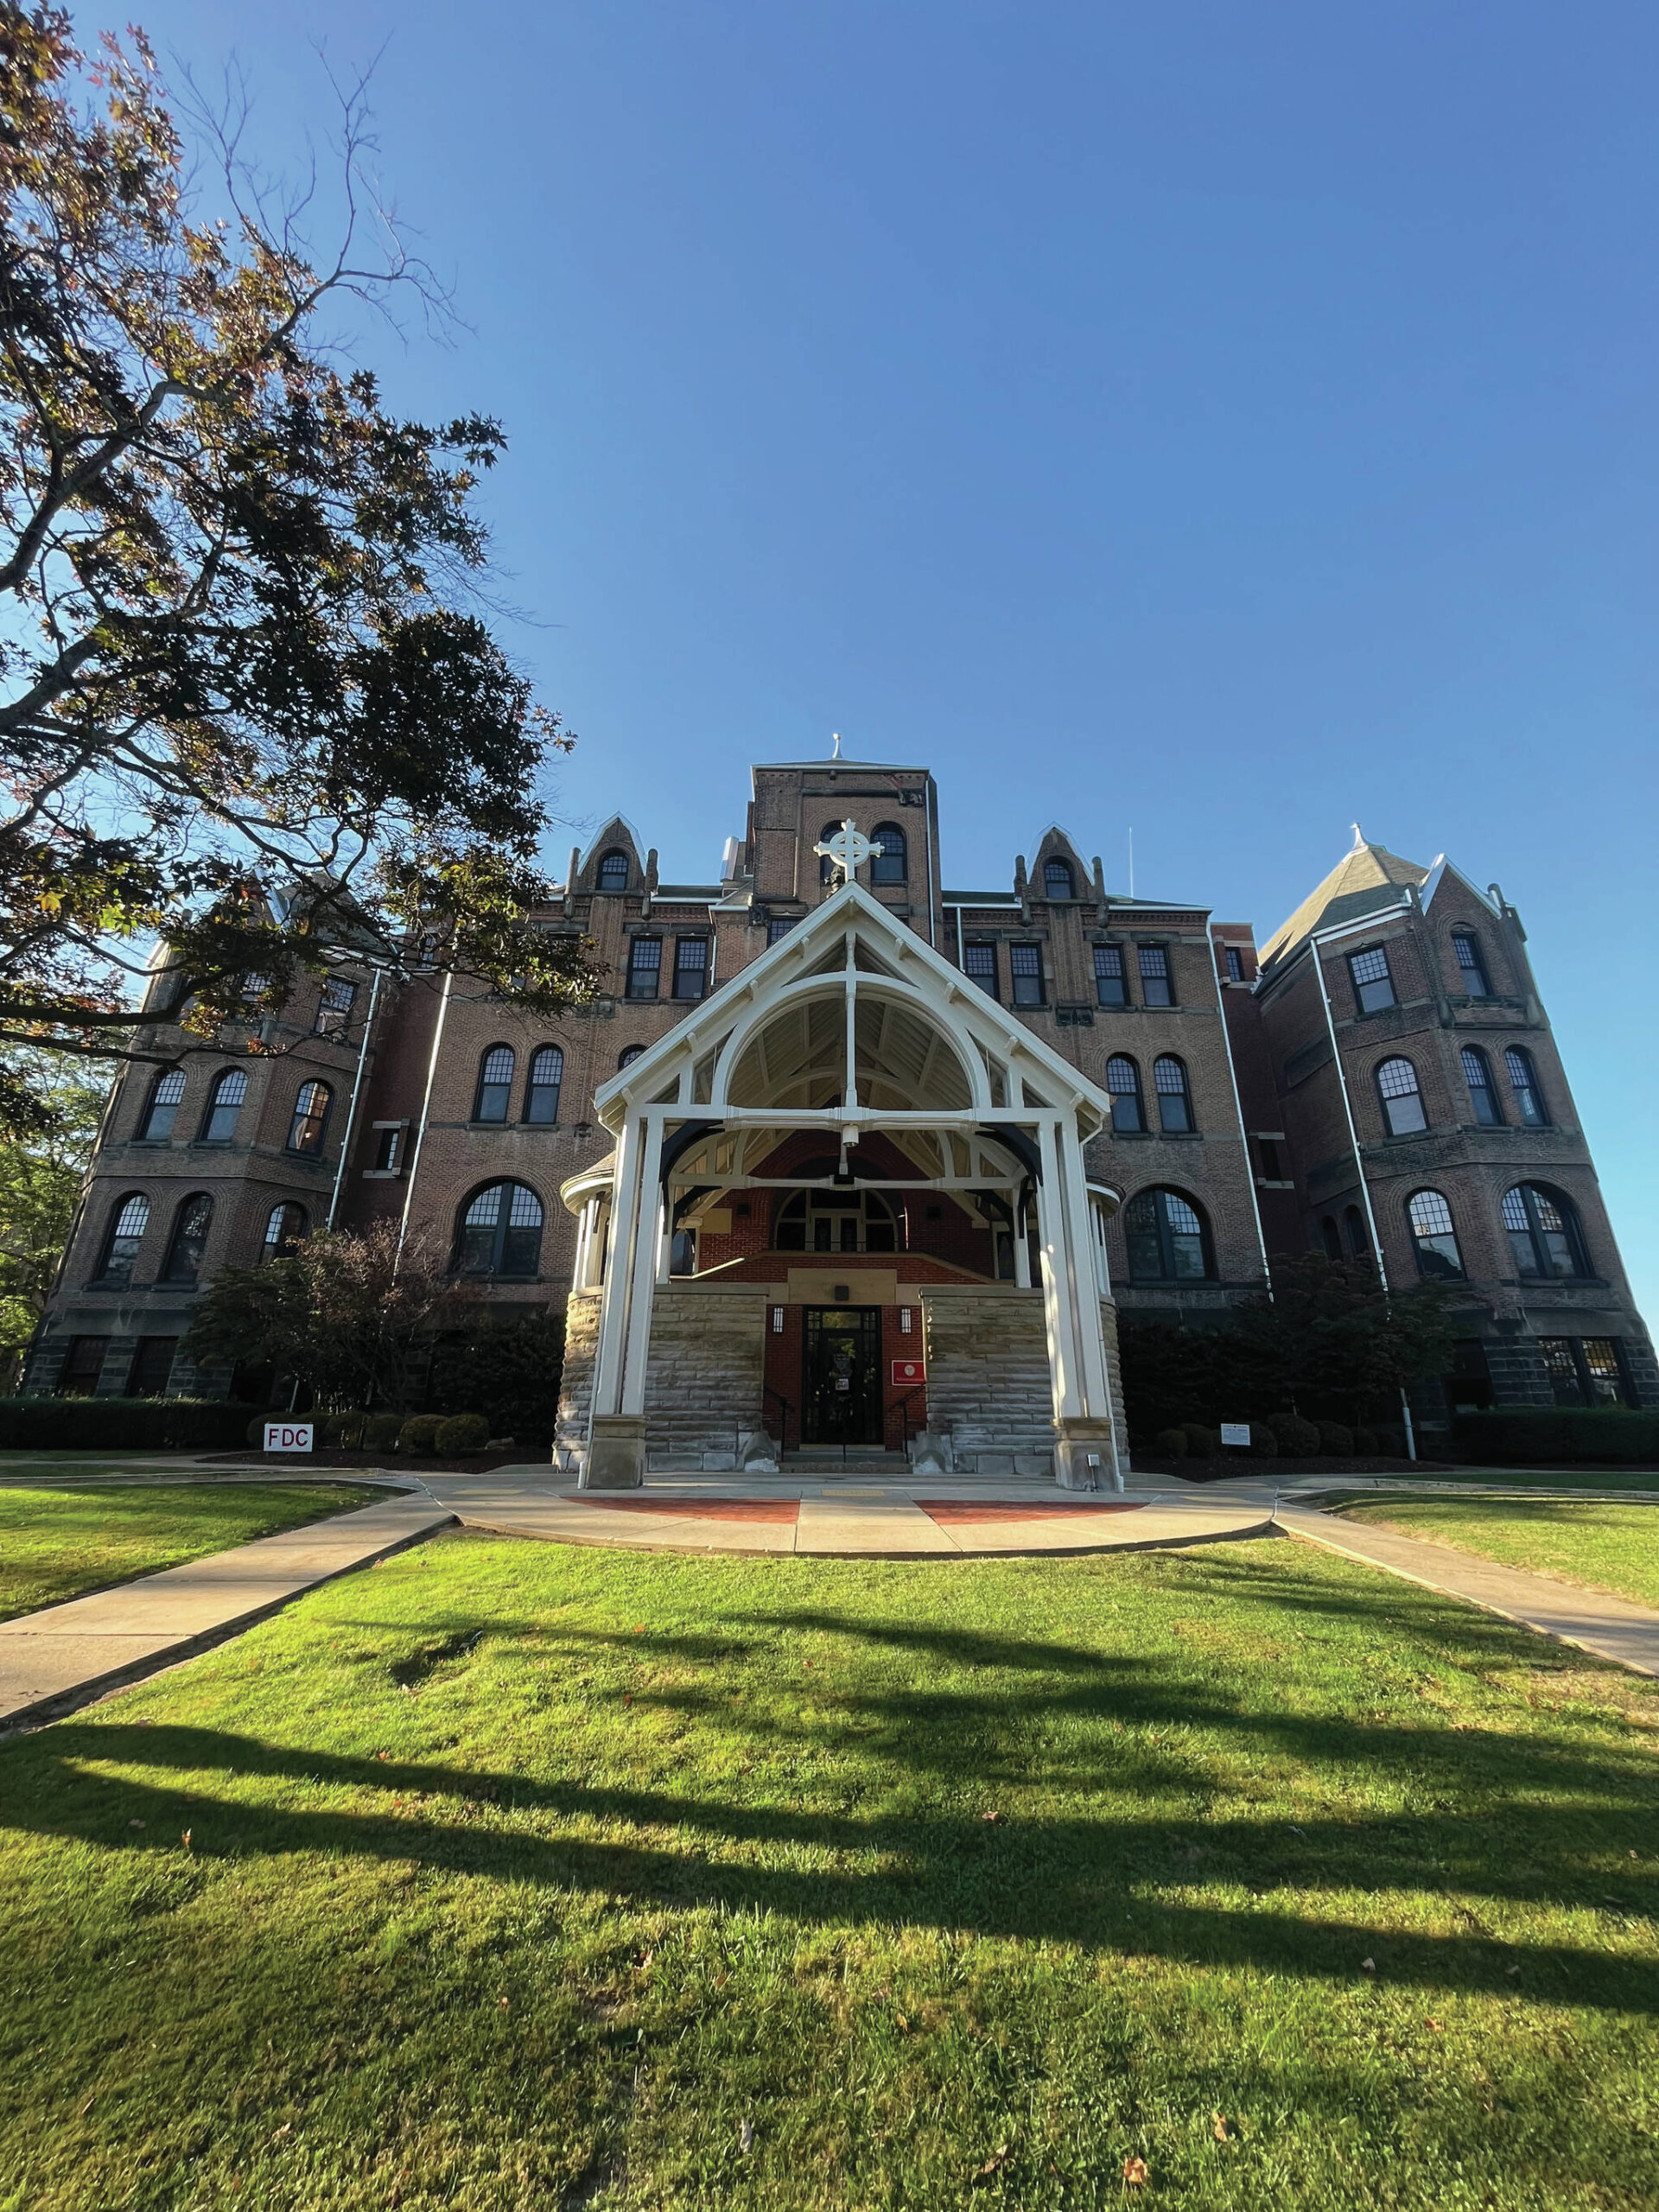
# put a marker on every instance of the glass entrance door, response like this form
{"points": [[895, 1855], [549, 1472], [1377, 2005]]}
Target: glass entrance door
{"points": [[842, 1385]]}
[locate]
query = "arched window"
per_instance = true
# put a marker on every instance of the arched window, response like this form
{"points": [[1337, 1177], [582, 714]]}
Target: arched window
{"points": [[627, 1056], [1478, 1074], [224, 1104], [310, 1122], [1403, 1102], [189, 1239], [284, 1229], [835, 1221], [1472, 968], [542, 1091], [1543, 1227], [1330, 1238], [1358, 1236], [125, 1234], [1434, 1235], [494, 1091], [892, 863], [1123, 1083], [613, 871], [1174, 1100], [501, 1231], [1166, 1238], [1058, 882], [827, 869], [1523, 1081], [161, 1111]]}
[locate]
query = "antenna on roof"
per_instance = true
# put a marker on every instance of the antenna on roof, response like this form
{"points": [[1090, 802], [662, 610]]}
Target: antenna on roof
{"points": [[835, 741], [1131, 863], [1359, 839]]}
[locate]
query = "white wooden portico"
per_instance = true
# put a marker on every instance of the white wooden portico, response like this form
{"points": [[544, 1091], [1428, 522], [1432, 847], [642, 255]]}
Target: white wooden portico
{"points": [[850, 1025]]}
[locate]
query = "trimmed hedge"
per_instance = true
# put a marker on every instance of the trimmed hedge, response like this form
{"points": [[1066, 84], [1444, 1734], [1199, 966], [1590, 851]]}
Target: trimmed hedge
{"points": [[1526, 1436], [459, 1434], [121, 1424]]}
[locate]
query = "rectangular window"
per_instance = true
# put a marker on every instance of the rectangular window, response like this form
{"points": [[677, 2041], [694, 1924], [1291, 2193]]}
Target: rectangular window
{"points": [[644, 967], [152, 1367], [388, 1144], [690, 967], [979, 965], [1603, 1371], [1234, 964], [82, 1365], [1271, 1167], [1562, 1368], [1471, 968], [1154, 963], [1373, 985], [779, 925], [1111, 985], [335, 1008], [1025, 966]]}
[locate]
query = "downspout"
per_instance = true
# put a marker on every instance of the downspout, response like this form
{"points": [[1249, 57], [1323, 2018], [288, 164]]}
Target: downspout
{"points": [[426, 1109], [351, 1110], [960, 964], [1238, 1109], [1359, 1164], [927, 809]]}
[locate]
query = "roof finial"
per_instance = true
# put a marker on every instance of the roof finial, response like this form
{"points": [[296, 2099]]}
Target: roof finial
{"points": [[835, 741], [1358, 838]]}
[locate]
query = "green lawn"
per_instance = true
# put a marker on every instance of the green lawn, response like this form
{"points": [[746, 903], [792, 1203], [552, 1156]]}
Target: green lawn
{"points": [[517, 1876], [1605, 1545], [1635, 1478], [58, 1542]]}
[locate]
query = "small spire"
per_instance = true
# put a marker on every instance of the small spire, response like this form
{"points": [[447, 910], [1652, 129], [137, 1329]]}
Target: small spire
{"points": [[1358, 838], [834, 736]]}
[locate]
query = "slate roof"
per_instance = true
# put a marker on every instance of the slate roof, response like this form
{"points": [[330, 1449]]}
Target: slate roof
{"points": [[1367, 880]]}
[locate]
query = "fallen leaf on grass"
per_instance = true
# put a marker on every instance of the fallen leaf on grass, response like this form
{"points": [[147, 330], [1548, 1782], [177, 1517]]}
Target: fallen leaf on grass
{"points": [[286, 2128], [746, 2138], [998, 2157], [134, 1824], [1368, 1966], [505, 2002], [185, 1839], [87, 2106], [1218, 2126], [990, 1816], [1135, 2171], [1434, 2027]]}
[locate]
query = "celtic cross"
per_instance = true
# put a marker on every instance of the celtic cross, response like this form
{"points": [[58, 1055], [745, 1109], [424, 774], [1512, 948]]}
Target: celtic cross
{"points": [[848, 848]]}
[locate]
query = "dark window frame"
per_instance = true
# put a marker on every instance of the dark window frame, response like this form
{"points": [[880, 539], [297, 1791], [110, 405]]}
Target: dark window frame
{"points": [[1036, 993], [192, 1223], [279, 1247], [113, 1233], [306, 1119], [606, 866], [498, 1086], [537, 1085], [697, 971], [1166, 1233], [1057, 863], [1182, 1092], [1104, 955], [471, 1234], [640, 969], [890, 867], [1537, 1233], [1373, 985], [1234, 957], [986, 976], [155, 1105], [76, 1370], [1465, 940], [1388, 1100], [221, 1082], [331, 1019], [1427, 1240], [1132, 1120], [1158, 977], [1489, 1113], [1528, 1093]]}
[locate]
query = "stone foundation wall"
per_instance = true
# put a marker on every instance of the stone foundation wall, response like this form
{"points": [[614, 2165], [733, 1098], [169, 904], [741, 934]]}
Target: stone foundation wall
{"points": [[988, 1379], [576, 1381], [706, 1372]]}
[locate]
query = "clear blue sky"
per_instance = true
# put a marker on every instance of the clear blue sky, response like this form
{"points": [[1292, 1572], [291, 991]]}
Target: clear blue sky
{"points": [[1227, 420]]}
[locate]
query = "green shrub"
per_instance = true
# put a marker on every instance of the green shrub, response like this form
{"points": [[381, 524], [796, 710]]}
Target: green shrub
{"points": [[1335, 1441], [1202, 1443], [1366, 1444], [507, 1370], [343, 1430], [1298, 1439], [121, 1424], [419, 1432], [1525, 1436], [1264, 1444], [1170, 1444], [1391, 1443], [458, 1434], [382, 1431]]}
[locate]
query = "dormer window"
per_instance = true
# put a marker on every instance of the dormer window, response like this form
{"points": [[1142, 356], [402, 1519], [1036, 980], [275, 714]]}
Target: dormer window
{"points": [[1058, 882], [1471, 968], [613, 871]]}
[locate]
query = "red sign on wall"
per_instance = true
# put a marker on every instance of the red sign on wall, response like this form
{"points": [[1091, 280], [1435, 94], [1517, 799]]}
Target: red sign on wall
{"points": [[908, 1370]]}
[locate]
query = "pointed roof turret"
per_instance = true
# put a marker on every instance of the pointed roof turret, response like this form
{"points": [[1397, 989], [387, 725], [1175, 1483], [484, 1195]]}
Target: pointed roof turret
{"points": [[1369, 879]]}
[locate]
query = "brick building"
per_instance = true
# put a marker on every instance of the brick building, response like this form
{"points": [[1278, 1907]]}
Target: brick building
{"points": [[840, 1160]]}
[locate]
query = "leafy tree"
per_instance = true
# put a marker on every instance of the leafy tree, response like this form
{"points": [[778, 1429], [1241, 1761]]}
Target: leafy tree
{"points": [[249, 704], [509, 1370], [41, 1171], [346, 1314]]}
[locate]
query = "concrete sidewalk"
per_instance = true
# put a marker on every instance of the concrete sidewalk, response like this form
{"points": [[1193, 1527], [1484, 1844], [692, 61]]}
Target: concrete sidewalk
{"points": [[1610, 1627], [53, 1661], [930, 1516]]}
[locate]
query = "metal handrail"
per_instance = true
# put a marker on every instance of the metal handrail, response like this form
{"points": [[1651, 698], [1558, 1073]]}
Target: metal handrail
{"points": [[920, 1391], [783, 1437]]}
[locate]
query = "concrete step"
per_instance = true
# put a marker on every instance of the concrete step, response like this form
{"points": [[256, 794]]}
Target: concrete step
{"points": [[826, 1459]]}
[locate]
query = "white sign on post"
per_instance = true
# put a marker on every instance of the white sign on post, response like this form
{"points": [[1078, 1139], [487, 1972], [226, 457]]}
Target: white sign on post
{"points": [[1235, 1431], [289, 1435]]}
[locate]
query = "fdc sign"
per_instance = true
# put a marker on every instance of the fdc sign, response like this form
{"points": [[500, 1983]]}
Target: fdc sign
{"points": [[289, 1435]]}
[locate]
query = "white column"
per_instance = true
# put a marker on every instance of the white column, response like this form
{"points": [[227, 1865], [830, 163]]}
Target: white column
{"points": [[1059, 1298], [647, 1229], [1021, 1246], [1093, 1382], [613, 1304]]}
